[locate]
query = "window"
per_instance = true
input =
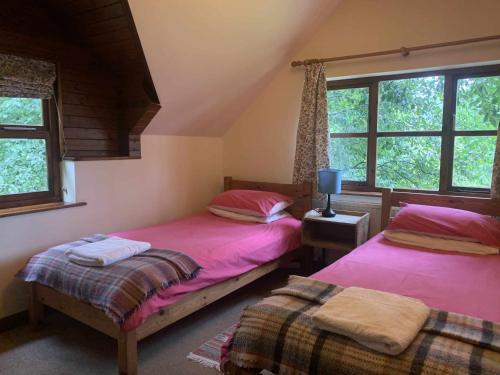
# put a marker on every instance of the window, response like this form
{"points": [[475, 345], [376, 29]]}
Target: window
{"points": [[29, 171], [431, 131]]}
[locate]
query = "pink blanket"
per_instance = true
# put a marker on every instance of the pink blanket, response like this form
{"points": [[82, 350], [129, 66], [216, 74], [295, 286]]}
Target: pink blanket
{"points": [[456, 282], [224, 248]]}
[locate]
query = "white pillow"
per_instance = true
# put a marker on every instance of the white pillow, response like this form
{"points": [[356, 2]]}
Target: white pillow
{"points": [[277, 208], [439, 243], [248, 218]]}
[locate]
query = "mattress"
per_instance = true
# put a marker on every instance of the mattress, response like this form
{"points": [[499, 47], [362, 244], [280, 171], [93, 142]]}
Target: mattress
{"points": [[452, 281], [224, 248]]}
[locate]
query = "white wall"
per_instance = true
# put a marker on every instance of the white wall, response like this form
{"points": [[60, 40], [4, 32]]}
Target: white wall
{"points": [[261, 143], [176, 176], [218, 54]]}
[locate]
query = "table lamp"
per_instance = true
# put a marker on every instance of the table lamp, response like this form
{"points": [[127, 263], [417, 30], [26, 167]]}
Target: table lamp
{"points": [[329, 182]]}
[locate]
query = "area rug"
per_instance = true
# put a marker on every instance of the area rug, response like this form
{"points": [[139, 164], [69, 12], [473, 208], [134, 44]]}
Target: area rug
{"points": [[209, 353]]}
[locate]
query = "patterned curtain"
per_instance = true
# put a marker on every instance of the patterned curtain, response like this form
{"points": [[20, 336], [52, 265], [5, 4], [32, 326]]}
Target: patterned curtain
{"points": [[311, 152], [495, 181], [26, 78]]}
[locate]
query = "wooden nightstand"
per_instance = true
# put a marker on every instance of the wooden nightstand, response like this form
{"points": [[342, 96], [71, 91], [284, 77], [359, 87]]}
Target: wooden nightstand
{"points": [[343, 232]]}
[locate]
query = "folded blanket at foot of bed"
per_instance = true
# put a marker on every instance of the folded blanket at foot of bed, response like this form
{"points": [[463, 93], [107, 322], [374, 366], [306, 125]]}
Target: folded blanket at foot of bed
{"points": [[118, 289], [384, 322], [278, 334]]}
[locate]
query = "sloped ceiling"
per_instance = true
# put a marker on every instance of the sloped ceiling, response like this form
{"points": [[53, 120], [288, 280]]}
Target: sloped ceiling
{"points": [[210, 58]]}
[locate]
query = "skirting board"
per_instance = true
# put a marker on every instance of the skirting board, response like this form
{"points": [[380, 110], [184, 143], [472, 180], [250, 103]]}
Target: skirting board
{"points": [[12, 321], [18, 319]]}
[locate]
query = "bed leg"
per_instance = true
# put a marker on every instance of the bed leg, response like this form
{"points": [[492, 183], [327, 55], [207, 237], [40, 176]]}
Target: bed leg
{"points": [[307, 259], [127, 353], [35, 308]]}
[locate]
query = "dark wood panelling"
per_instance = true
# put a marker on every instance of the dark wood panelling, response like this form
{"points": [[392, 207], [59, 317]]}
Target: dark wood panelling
{"points": [[89, 100], [89, 122], [92, 144], [106, 94], [82, 133], [19, 15], [78, 6], [94, 154]]}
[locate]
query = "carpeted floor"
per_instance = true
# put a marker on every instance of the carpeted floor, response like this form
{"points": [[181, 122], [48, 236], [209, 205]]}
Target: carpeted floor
{"points": [[64, 346]]}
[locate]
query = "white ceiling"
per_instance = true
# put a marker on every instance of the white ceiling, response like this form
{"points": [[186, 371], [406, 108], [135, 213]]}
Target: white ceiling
{"points": [[210, 58]]}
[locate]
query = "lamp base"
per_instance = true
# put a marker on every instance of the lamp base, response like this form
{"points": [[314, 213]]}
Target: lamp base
{"points": [[328, 213]]}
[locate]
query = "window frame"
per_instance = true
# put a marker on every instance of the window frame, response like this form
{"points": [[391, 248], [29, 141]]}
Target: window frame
{"points": [[49, 131], [447, 132]]}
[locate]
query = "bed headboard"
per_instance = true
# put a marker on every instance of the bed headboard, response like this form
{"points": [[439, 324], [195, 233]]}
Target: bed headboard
{"points": [[302, 193], [485, 206]]}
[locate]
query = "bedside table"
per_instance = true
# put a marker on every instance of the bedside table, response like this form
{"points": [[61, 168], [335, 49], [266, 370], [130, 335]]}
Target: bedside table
{"points": [[343, 232]]}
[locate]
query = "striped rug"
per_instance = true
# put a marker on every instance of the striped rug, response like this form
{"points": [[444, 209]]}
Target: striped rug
{"points": [[209, 353]]}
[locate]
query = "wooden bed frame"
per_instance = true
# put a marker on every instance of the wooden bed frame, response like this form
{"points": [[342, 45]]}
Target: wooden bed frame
{"points": [[127, 341], [485, 206]]}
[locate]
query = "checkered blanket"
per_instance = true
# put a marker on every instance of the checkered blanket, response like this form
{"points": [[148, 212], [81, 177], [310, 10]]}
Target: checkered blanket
{"points": [[278, 334], [118, 289]]}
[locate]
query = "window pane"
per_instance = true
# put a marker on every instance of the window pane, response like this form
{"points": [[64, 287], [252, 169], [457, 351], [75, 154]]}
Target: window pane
{"points": [[349, 155], [21, 111], [412, 104], [23, 166], [478, 103], [408, 162], [348, 110], [473, 161]]}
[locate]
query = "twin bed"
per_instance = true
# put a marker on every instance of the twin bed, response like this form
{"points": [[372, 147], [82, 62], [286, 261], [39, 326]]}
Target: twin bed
{"points": [[231, 253], [234, 254], [462, 283], [449, 281]]}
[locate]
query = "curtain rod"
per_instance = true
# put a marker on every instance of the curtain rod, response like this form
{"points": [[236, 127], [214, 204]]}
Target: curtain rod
{"points": [[404, 51]]}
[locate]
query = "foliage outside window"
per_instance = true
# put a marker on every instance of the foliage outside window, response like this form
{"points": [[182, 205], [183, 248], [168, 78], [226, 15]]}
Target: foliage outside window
{"points": [[432, 131], [28, 146]]}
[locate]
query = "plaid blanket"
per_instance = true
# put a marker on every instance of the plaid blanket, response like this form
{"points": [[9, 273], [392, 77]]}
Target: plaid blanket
{"points": [[118, 289], [277, 334]]}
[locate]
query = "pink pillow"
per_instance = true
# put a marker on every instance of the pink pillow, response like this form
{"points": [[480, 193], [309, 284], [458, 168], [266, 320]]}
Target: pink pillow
{"points": [[251, 202], [448, 222]]}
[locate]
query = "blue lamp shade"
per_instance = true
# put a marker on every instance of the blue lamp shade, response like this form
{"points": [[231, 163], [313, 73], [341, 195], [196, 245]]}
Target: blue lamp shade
{"points": [[330, 181]]}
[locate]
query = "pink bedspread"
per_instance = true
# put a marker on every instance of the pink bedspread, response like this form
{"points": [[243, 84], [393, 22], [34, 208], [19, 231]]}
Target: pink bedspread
{"points": [[224, 248], [456, 282]]}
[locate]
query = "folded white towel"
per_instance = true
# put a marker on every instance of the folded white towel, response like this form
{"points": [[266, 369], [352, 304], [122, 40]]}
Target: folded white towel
{"points": [[106, 252], [382, 321]]}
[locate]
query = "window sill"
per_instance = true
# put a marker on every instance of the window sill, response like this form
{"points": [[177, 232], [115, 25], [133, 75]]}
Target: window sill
{"points": [[98, 158], [37, 208], [450, 193], [362, 193]]}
